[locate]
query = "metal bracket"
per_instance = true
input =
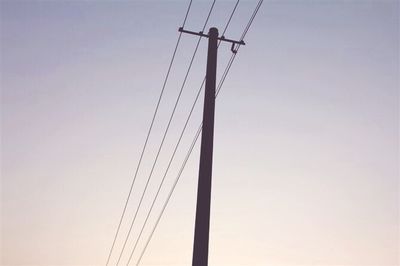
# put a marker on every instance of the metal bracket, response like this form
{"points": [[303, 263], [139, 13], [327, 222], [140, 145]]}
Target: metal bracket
{"points": [[233, 48]]}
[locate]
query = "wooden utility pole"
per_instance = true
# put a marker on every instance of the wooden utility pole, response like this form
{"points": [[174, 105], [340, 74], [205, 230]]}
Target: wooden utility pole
{"points": [[202, 224]]}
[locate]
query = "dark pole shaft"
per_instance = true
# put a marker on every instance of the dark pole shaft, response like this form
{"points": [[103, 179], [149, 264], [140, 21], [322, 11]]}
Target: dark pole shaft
{"points": [[202, 225]]}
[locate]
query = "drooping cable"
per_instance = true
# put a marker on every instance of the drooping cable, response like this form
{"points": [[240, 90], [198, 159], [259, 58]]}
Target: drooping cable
{"points": [[164, 136], [197, 134], [176, 147], [148, 135]]}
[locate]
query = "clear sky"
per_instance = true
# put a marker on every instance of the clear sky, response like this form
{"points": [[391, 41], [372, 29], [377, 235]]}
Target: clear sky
{"points": [[306, 135]]}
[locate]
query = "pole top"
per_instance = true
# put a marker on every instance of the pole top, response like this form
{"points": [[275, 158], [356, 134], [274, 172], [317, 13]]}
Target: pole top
{"points": [[213, 31]]}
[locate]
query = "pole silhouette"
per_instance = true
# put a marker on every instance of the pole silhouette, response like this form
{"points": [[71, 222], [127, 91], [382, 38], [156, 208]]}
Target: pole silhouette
{"points": [[202, 225]]}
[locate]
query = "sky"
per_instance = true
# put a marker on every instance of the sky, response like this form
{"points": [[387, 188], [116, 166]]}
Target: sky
{"points": [[306, 147]]}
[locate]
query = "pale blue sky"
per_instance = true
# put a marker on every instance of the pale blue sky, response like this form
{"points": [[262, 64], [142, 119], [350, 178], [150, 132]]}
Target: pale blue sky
{"points": [[306, 135]]}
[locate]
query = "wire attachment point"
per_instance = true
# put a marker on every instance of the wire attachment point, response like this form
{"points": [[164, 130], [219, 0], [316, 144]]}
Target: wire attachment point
{"points": [[233, 48]]}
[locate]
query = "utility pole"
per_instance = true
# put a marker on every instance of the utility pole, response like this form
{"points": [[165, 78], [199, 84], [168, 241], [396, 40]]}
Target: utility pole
{"points": [[202, 224]]}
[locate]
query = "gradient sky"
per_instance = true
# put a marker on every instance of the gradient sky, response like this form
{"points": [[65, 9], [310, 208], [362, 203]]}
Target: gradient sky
{"points": [[306, 136]]}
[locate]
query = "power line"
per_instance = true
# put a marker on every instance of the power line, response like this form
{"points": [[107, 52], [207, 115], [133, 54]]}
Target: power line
{"points": [[229, 20], [164, 136], [148, 135], [176, 146], [251, 19], [198, 132], [175, 183]]}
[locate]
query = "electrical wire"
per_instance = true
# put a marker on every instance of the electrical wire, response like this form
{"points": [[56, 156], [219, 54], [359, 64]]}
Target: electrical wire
{"points": [[148, 135], [198, 133], [176, 146], [164, 136], [251, 19]]}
